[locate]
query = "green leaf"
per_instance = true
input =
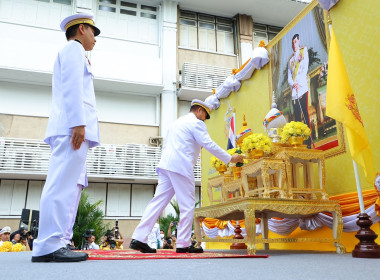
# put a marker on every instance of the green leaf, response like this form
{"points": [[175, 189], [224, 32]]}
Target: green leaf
{"points": [[89, 216]]}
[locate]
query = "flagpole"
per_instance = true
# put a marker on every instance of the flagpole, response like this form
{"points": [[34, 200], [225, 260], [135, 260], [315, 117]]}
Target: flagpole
{"points": [[359, 187]]}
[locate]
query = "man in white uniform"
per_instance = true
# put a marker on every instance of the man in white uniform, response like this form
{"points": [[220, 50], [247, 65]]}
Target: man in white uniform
{"points": [[180, 152], [5, 235], [297, 79], [72, 130]]}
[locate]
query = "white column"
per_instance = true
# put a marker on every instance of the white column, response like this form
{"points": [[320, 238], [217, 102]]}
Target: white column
{"points": [[245, 36], [169, 111], [169, 62]]}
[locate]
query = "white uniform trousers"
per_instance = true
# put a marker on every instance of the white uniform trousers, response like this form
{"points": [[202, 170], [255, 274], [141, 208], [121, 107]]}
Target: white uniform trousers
{"points": [[170, 183], [60, 196]]}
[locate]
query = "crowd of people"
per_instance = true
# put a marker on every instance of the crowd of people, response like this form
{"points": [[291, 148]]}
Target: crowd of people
{"points": [[19, 240], [112, 239]]}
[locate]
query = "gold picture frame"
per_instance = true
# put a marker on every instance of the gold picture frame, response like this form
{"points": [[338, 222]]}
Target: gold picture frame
{"points": [[312, 27]]}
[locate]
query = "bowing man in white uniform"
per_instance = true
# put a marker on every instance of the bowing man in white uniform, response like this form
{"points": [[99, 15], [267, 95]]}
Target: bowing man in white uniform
{"points": [[180, 152], [72, 130]]}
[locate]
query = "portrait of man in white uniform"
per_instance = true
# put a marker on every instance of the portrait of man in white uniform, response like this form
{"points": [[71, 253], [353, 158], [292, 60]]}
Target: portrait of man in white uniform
{"points": [[298, 66]]}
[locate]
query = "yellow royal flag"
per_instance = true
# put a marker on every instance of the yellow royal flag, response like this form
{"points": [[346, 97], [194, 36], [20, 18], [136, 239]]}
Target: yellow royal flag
{"points": [[341, 106]]}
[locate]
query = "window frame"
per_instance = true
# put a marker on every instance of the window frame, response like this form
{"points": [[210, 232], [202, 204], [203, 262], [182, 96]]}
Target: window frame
{"points": [[200, 18]]}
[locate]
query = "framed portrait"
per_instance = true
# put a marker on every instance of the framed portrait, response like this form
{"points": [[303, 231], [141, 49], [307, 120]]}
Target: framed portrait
{"points": [[298, 78]]}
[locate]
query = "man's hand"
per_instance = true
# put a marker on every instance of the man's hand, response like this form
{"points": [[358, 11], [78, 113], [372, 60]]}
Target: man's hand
{"points": [[237, 158], [296, 86], [78, 137]]}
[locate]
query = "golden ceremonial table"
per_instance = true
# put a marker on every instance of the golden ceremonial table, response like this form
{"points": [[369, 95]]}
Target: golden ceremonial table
{"points": [[295, 157], [250, 208]]}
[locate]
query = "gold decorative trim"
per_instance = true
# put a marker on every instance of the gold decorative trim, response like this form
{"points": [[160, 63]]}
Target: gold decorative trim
{"points": [[251, 208]]}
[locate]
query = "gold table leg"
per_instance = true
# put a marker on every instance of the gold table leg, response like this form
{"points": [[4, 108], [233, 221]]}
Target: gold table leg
{"points": [[337, 230], [197, 231], [250, 227]]}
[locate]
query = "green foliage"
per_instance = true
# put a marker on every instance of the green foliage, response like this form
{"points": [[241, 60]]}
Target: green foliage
{"points": [[313, 57], [165, 221], [89, 216], [239, 164], [175, 205]]}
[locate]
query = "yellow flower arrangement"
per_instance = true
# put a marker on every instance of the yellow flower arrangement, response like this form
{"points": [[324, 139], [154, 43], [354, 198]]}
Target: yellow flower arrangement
{"points": [[216, 163], [17, 247], [6, 247], [256, 141], [297, 129]]}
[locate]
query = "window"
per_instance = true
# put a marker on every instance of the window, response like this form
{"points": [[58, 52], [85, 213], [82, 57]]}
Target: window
{"points": [[12, 199], [119, 200], [39, 13], [264, 32], [128, 20], [206, 32], [64, 2]]}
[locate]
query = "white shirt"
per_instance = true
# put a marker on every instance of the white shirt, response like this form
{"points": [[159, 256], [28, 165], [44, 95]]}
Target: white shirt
{"points": [[93, 246], [300, 77], [153, 236], [73, 98], [185, 138]]}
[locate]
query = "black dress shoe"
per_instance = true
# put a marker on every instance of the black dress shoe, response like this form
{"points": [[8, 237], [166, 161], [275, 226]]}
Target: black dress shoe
{"points": [[142, 247], [71, 247], [190, 249], [62, 255]]}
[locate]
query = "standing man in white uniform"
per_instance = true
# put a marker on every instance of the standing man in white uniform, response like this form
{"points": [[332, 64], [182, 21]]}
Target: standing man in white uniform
{"points": [[72, 130], [180, 152], [297, 79]]}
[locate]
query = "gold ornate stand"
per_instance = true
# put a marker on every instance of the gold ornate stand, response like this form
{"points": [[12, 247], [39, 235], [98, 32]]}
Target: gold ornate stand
{"points": [[303, 157], [251, 208], [234, 187], [214, 183], [269, 175]]}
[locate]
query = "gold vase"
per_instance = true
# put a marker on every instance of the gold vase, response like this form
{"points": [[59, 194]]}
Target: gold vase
{"points": [[221, 169], [255, 154], [296, 141], [237, 172]]}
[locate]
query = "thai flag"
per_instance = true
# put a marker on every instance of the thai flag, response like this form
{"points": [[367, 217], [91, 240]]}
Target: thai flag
{"points": [[231, 133]]}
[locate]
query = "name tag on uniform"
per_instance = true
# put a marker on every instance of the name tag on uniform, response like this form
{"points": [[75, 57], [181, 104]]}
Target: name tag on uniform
{"points": [[89, 70]]}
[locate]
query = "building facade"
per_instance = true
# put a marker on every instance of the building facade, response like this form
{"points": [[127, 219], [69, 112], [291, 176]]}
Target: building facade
{"points": [[150, 60]]}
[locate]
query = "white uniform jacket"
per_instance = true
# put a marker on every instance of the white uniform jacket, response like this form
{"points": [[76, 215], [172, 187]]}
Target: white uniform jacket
{"points": [[73, 101], [185, 138], [297, 72]]}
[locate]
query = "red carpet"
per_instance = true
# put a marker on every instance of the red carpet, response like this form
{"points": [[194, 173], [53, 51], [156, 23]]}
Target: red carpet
{"points": [[161, 254]]}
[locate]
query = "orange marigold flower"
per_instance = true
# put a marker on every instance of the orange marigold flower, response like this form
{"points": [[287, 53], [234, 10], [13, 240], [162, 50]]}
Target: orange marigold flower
{"points": [[262, 43]]}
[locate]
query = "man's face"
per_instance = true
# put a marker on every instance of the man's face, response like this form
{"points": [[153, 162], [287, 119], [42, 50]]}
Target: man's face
{"points": [[5, 236], [201, 114], [295, 44], [92, 239], [88, 38]]}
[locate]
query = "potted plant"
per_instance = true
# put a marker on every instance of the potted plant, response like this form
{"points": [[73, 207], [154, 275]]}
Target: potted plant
{"points": [[295, 133], [236, 168], [256, 145], [218, 165]]}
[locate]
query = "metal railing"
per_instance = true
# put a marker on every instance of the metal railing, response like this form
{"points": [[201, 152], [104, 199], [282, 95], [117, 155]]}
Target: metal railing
{"points": [[129, 161], [203, 76]]}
